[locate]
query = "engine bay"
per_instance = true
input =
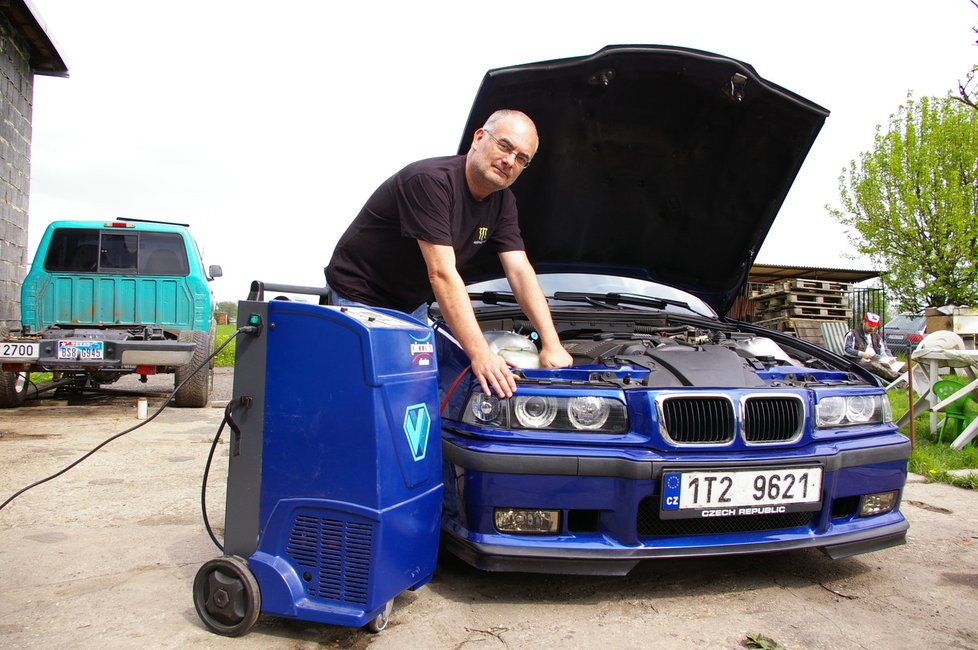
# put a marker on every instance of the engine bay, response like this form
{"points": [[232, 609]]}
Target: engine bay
{"points": [[681, 352]]}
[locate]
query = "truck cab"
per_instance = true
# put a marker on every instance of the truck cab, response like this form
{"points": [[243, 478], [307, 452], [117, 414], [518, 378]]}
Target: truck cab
{"points": [[108, 298]]}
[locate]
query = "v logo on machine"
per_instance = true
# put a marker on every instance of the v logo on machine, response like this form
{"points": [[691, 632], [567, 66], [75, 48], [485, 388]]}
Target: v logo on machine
{"points": [[417, 424]]}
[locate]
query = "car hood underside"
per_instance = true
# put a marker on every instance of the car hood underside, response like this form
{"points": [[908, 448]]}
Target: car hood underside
{"points": [[656, 162]]}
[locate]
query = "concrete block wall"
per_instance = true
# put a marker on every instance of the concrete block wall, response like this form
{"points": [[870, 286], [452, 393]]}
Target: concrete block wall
{"points": [[16, 108]]}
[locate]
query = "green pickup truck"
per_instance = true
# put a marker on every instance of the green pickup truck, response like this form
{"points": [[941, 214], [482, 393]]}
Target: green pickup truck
{"points": [[105, 299]]}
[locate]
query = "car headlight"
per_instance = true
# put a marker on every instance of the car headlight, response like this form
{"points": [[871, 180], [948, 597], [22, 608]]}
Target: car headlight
{"points": [[831, 411], [535, 411], [859, 408], [592, 413], [846, 410], [484, 409], [588, 412]]}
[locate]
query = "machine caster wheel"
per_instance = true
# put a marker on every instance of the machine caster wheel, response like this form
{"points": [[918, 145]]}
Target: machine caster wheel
{"points": [[226, 596], [380, 622]]}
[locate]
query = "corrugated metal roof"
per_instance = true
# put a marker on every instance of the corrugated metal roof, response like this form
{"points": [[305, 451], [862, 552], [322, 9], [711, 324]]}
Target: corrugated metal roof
{"points": [[766, 273]]}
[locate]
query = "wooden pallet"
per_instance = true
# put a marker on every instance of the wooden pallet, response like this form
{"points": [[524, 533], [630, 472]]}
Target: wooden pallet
{"points": [[778, 323], [771, 301], [798, 284], [810, 329], [808, 311]]}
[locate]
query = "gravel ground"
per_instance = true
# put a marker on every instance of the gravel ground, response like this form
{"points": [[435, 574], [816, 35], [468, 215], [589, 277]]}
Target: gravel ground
{"points": [[104, 556]]}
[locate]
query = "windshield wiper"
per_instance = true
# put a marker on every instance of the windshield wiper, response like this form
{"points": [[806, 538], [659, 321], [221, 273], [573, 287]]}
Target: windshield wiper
{"points": [[635, 299], [606, 300], [616, 299], [596, 299], [494, 297]]}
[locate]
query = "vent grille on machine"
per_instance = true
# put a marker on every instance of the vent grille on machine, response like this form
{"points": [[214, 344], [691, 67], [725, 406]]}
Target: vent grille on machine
{"points": [[334, 557]]}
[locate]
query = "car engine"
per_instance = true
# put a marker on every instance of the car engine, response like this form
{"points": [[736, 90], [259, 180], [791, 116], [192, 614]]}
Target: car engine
{"points": [[687, 356]]}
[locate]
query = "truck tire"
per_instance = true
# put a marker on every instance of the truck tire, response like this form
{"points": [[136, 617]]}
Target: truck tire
{"points": [[196, 393], [13, 385], [13, 388]]}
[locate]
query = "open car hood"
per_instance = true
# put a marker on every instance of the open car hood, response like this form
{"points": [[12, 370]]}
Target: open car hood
{"points": [[655, 162]]}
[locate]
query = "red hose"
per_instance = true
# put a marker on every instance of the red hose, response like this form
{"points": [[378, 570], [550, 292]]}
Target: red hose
{"points": [[451, 390]]}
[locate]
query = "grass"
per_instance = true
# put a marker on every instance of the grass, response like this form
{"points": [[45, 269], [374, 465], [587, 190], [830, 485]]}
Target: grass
{"points": [[931, 460], [760, 642], [226, 356]]}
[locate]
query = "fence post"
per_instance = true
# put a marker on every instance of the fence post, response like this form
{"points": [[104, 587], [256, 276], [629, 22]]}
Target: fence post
{"points": [[913, 436]]}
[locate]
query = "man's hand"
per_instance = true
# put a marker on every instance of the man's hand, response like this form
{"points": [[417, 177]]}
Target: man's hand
{"points": [[493, 374], [523, 280], [556, 357], [488, 367]]}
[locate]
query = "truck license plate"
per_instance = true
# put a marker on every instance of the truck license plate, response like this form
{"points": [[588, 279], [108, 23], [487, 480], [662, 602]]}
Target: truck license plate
{"points": [[740, 492], [17, 351], [81, 350]]}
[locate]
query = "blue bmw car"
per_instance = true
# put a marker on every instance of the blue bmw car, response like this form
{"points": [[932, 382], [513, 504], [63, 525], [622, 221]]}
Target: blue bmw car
{"points": [[678, 431]]}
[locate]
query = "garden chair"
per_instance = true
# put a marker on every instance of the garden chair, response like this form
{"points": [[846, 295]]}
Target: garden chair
{"points": [[956, 414]]}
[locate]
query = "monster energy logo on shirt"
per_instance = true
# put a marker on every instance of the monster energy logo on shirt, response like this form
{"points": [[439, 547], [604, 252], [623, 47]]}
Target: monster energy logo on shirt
{"points": [[482, 234]]}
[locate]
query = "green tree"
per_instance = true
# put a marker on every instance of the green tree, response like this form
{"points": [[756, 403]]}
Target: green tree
{"points": [[229, 307], [912, 203]]}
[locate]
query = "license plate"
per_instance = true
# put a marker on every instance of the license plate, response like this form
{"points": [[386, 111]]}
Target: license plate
{"points": [[14, 351], [740, 492], [896, 337], [81, 350]]}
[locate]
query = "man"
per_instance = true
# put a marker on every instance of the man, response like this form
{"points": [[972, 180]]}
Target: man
{"points": [[432, 217], [865, 344]]}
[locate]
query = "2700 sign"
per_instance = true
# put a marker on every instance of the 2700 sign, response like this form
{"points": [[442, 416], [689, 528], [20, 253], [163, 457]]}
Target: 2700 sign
{"points": [[10, 350], [740, 492]]}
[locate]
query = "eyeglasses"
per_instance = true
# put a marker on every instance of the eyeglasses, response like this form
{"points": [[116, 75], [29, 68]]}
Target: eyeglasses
{"points": [[507, 148]]}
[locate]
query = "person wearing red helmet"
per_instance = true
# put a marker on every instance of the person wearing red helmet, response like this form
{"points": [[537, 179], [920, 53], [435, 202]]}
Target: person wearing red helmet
{"points": [[865, 344]]}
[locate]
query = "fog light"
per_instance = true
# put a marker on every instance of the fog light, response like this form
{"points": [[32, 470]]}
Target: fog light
{"points": [[533, 522], [877, 504]]}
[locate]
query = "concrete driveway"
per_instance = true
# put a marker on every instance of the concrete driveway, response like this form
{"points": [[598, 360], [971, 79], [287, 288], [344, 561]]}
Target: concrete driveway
{"points": [[104, 557]]}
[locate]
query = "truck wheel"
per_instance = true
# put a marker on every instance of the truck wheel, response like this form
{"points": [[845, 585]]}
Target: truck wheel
{"points": [[13, 388], [196, 393]]}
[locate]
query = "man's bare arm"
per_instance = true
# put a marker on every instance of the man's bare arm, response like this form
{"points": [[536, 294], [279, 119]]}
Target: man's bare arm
{"points": [[488, 367], [523, 280]]}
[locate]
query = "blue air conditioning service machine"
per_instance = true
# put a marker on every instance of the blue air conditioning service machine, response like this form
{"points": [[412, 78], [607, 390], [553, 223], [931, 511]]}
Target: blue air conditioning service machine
{"points": [[334, 481]]}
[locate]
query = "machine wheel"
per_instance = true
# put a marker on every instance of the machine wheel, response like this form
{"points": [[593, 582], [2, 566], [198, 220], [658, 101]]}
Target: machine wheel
{"points": [[381, 620], [13, 388], [226, 596], [196, 393]]}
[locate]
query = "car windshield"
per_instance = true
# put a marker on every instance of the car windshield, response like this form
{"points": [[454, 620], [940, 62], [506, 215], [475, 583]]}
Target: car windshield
{"points": [[601, 291], [906, 322]]}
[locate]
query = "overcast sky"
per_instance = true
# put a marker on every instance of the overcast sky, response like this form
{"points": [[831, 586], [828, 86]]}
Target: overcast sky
{"points": [[265, 125]]}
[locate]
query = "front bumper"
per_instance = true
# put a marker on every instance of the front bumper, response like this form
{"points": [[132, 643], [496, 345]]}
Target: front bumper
{"points": [[609, 507]]}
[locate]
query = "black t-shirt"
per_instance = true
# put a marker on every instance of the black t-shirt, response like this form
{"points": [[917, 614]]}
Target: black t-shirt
{"points": [[378, 262]]}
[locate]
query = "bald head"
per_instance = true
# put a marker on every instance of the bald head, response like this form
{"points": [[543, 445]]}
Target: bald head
{"points": [[500, 151], [513, 119]]}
